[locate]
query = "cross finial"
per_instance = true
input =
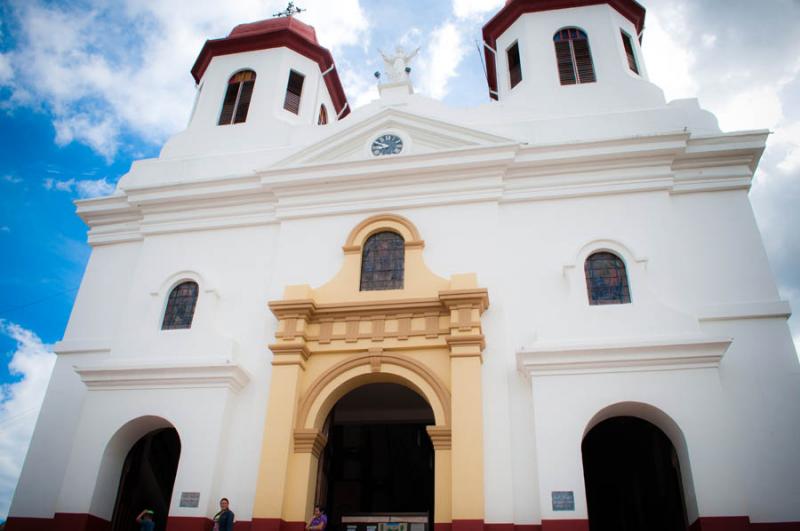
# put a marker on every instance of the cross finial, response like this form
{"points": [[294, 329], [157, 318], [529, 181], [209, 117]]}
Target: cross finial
{"points": [[290, 10]]}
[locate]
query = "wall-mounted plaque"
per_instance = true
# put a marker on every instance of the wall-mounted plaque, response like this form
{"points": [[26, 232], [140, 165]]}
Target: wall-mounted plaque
{"points": [[563, 500], [190, 499]]}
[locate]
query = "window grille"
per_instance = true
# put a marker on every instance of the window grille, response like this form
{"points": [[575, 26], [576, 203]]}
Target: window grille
{"points": [[628, 44], [382, 262], [180, 306], [293, 91], [606, 279], [514, 65], [574, 57], [237, 98]]}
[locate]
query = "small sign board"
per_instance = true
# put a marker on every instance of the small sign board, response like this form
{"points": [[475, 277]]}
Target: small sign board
{"points": [[190, 499], [563, 500]]}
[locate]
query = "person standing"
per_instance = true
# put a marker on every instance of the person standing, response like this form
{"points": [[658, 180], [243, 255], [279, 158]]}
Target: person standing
{"points": [[145, 520], [319, 521], [223, 520]]}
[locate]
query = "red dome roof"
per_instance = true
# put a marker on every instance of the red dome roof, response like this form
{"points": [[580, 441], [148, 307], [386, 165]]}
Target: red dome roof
{"points": [[286, 32], [513, 9]]}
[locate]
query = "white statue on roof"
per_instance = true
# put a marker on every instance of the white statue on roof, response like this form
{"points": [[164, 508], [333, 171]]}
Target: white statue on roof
{"points": [[397, 65]]}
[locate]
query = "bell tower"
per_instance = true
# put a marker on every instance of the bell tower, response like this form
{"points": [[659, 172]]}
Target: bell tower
{"points": [[258, 87], [576, 57]]}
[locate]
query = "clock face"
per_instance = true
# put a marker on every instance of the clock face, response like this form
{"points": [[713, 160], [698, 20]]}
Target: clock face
{"points": [[387, 145]]}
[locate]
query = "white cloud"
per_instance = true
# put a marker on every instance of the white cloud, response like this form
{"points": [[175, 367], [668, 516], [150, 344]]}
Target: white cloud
{"points": [[101, 135], [669, 63], [5, 228], [440, 62], [13, 179], [475, 8], [20, 403], [85, 188], [338, 24]]}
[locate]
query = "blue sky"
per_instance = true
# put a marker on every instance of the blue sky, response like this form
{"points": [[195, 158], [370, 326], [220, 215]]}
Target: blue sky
{"points": [[88, 86]]}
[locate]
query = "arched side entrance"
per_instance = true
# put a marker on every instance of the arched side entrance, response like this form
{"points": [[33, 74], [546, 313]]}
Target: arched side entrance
{"points": [[633, 477], [147, 478], [138, 472]]}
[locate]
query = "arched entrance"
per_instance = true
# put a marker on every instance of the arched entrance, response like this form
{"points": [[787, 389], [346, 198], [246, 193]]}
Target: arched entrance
{"points": [[379, 459], [147, 478], [633, 478]]}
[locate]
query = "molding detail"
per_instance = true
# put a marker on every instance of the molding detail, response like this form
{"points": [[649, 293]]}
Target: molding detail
{"points": [[440, 437], [646, 355], [120, 374], [309, 441], [746, 310], [82, 346]]}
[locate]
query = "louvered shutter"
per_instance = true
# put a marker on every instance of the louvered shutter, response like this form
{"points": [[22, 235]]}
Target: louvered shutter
{"points": [[293, 91], [244, 102], [228, 104], [626, 41], [566, 70], [583, 61]]}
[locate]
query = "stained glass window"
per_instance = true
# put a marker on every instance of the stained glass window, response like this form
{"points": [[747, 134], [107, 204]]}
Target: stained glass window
{"points": [[382, 262], [606, 279], [180, 306]]}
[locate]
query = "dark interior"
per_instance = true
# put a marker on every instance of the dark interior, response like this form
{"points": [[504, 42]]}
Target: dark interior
{"points": [[379, 458], [147, 479], [633, 479]]}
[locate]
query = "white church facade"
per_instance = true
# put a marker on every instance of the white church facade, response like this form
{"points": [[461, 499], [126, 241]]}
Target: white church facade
{"points": [[551, 312]]}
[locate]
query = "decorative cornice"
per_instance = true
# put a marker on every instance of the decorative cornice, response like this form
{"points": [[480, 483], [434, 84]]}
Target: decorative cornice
{"points": [[748, 310], [130, 374], [476, 298], [466, 346], [290, 354], [672, 162], [601, 357], [303, 308]]}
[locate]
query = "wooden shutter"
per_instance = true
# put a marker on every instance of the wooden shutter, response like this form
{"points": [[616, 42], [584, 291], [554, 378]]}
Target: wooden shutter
{"points": [[228, 104], [583, 61], [566, 70], [293, 91], [514, 66], [244, 101], [626, 42], [323, 115]]}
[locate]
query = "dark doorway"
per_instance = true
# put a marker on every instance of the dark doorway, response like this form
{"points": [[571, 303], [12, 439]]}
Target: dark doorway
{"points": [[379, 457], [633, 478], [147, 479]]}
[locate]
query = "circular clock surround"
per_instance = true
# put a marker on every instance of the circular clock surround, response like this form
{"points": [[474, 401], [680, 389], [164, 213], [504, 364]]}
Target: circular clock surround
{"points": [[387, 144]]}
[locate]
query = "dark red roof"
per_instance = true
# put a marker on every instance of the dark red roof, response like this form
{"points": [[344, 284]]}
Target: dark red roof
{"points": [[513, 9], [285, 32]]}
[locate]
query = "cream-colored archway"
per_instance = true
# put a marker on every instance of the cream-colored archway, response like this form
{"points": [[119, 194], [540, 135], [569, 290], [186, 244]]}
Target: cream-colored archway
{"points": [[330, 340]]}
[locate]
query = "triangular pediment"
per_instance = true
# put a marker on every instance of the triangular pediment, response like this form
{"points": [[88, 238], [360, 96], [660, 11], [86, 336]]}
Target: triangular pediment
{"points": [[419, 134]]}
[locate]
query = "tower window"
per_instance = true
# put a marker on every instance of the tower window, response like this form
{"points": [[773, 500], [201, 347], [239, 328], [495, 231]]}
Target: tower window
{"points": [[573, 56], [237, 98], [180, 306], [514, 66], [628, 44], [606, 279], [293, 91], [382, 262], [323, 115]]}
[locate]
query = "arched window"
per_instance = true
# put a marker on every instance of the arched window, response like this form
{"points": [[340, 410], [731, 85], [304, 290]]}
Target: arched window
{"points": [[180, 306], [573, 56], [382, 262], [323, 115], [606, 279], [237, 98]]}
